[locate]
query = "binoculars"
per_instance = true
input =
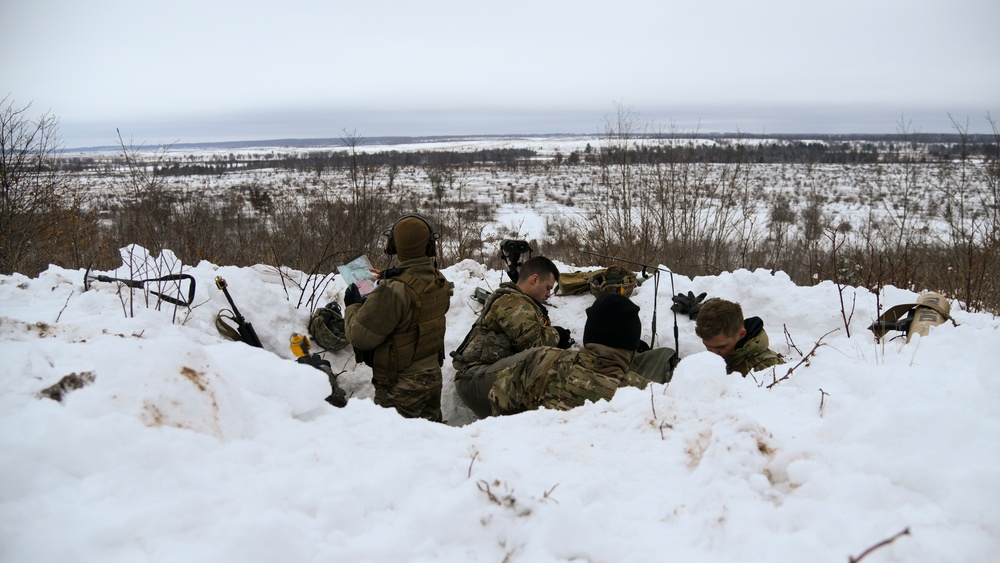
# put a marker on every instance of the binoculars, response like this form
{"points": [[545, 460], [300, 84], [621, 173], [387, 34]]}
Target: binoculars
{"points": [[511, 246]]}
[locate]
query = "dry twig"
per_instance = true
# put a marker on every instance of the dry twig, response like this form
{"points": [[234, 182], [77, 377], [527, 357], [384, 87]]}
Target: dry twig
{"points": [[883, 543], [788, 339], [65, 305], [804, 360], [471, 461]]}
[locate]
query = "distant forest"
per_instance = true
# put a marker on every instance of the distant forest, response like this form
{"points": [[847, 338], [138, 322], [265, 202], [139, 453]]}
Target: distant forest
{"points": [[769, 149]]}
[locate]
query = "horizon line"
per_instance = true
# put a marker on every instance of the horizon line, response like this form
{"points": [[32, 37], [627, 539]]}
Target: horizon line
{"points": [[405, 139]]}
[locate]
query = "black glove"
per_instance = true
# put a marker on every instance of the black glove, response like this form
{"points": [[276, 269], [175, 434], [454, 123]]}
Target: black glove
{"points": [[338, 397], [565, 341], [689, 303], [317, 361], [352, 295]]}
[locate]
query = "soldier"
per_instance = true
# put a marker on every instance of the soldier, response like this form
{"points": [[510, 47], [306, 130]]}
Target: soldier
{"points": [[563, 379], [513, 320], [399, 328], [741, 342]]}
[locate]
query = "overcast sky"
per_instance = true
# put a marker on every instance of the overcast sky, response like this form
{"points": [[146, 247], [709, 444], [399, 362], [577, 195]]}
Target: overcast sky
{"points": [[194, 71]]}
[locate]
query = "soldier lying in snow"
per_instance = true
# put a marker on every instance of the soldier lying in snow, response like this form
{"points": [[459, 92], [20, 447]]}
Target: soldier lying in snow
{"points": [[563, 379]]}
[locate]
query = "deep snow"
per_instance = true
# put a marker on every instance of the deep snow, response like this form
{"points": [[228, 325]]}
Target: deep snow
{"points": [[188, 447]]}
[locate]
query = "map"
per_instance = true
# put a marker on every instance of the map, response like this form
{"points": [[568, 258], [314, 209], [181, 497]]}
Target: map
{"points": [[359, 271]]}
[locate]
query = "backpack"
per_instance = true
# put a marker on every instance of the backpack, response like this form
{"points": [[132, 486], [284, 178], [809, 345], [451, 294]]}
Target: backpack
{"points": [[930, 310], [575, 283], [326, 327], [614, 279]]}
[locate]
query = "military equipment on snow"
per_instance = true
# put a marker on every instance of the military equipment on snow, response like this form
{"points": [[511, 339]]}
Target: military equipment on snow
{"points": [[575, 283], [930, 310], [141, 284], [326, 326], [299, 344], [689, 304], [510, 252], [614, 279], [481, 295], [244, 330]]}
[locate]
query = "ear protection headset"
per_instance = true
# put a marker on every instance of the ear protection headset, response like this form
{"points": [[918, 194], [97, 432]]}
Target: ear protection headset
{"points": [[431, 250]]}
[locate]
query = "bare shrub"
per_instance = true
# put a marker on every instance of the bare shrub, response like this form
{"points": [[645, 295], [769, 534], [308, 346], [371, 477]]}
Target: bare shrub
{"points": [[41, 222]]}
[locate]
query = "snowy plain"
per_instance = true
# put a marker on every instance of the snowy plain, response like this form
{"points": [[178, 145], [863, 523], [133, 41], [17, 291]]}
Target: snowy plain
{"points": [[189, 447]]}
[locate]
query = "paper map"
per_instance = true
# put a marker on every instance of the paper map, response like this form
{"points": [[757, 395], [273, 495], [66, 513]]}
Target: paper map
{"points": [[358, 271]]}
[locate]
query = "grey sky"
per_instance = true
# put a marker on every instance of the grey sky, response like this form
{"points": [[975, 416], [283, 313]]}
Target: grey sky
{"points": [[204, 70]]}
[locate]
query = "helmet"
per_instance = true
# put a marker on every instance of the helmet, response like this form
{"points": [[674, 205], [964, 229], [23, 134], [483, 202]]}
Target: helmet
{"points": [[613, 279], [326, 326]]}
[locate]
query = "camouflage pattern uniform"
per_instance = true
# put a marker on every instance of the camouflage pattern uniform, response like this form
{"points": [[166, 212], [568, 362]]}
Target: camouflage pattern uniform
{"points": [[511, 322], [399, 330], [752, 352], [562, 379]]}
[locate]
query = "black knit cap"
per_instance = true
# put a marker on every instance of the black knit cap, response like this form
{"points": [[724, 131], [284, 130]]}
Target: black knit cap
{"points": [[613, 320]]}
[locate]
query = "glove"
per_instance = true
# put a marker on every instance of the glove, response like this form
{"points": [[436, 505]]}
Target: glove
{"points": [[316, 361], [338, 397], [689, 303], [352, 295], [565, 341]]}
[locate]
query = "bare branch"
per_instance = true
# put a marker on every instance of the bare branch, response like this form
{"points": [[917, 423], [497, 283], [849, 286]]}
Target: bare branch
{"points": [[804, 360], [822, 396], [883, 543], [471, 461]]}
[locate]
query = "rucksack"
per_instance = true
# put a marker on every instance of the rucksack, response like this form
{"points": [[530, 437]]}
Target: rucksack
{"points": [[575, 283], [326, 327], [930, 310], [614, 279]]}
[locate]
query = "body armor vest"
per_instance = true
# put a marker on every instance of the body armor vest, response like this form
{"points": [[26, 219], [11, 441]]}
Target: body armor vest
{"points": [[481, 345], [425, 333]]}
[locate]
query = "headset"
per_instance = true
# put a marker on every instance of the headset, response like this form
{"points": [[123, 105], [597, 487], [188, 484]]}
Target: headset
{"points": [[431, 250]]}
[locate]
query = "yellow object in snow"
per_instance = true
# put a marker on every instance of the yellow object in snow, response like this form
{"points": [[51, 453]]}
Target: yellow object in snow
{"points": [[299, 343]]}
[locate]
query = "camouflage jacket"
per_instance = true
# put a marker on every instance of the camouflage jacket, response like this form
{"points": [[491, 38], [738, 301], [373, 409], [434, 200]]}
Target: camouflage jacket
{"points": [[752, 352], [511, 322], [562, 379]]}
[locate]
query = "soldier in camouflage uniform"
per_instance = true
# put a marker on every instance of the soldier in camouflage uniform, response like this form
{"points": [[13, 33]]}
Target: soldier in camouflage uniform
{"points": [[741, 342], [513, 320], [399, 328], [563, 379]]}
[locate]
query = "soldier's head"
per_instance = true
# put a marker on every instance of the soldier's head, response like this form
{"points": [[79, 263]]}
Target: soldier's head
{"points": [[613, 320], [537, 277], [720, 326], [411, 237]]}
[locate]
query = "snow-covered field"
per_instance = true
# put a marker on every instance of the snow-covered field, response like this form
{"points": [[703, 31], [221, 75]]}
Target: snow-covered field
{"points": [[188, 447], [528, 199]]}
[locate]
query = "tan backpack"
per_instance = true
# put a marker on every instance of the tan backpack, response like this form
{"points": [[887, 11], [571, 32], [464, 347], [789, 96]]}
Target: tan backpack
{"points": [[930, 310]]}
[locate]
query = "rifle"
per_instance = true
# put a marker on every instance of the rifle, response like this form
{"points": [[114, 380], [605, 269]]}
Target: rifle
{"points": [[243, 328], [656, 291]]}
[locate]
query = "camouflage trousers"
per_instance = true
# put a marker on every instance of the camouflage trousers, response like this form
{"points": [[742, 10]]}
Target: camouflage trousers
{"points": [[654, 364], [474, 383], [413, 395]]}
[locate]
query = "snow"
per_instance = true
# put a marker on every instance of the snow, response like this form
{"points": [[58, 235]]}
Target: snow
{"points": [[189, 447]]}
